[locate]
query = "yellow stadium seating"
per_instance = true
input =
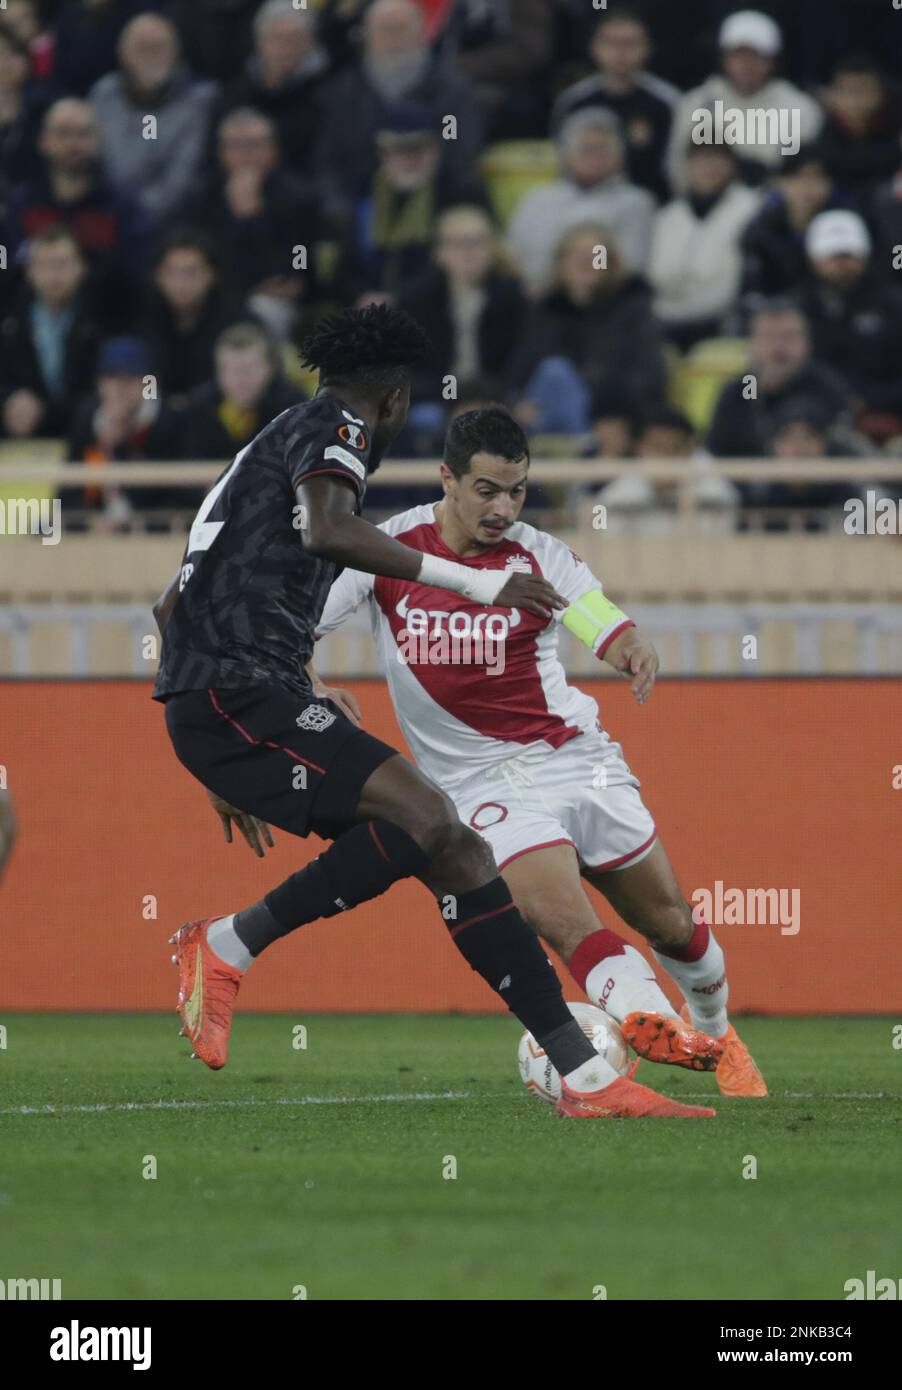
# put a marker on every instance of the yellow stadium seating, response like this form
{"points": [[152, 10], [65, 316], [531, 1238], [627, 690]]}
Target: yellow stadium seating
{"points": [[512, 167]]}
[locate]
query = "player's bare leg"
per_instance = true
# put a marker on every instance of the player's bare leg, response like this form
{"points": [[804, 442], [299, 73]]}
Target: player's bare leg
{"points": [[647, 896], [547, 888]]}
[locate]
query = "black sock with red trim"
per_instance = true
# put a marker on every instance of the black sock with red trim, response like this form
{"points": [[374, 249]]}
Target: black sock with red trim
{"points": [[494, 940], [359, 865]]}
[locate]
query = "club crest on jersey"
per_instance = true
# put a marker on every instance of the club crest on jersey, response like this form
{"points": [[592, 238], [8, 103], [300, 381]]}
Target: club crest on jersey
{"points": [[518, 563], [353, 435], [315, 719]]}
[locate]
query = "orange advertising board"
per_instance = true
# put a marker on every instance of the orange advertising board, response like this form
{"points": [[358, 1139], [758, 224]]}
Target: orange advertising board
{"points": [[758, 784]]}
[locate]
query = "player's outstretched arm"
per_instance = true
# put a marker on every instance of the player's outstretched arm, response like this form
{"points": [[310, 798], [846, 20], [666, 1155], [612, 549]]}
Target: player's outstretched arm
{"points": [[333, 530]]}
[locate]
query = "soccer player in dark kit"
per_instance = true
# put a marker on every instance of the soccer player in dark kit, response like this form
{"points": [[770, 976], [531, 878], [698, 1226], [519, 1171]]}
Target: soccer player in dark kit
{"points": [[238, 625]]}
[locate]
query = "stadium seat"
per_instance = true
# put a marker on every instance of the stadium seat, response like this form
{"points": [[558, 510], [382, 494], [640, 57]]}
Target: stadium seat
{"points": [[697, 380], [13, 451], [512, 167]]}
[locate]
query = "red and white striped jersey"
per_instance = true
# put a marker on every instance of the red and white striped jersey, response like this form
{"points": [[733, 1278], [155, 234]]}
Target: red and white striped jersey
{"points": [[471, 684]]}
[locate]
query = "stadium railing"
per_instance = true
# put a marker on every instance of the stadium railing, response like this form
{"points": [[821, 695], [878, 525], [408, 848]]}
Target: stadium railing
{"points": [[826, 601]]}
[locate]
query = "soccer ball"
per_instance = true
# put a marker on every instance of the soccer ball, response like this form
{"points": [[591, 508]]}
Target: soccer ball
{"points": [[536, 1071]]}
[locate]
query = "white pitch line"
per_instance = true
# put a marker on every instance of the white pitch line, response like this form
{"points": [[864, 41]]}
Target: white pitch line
{"points": [[229, 1104], [125, 1107]]}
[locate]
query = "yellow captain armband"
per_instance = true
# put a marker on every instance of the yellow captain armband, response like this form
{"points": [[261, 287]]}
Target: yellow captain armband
{"points": [[595, 620]]}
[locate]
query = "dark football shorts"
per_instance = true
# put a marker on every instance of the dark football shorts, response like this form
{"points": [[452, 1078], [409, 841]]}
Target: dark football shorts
{"points": [[297, 763]]}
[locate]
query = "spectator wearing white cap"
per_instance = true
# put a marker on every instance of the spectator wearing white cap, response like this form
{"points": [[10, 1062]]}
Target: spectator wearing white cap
{"points": [[856, 319], [593, 188], [750, 44]]}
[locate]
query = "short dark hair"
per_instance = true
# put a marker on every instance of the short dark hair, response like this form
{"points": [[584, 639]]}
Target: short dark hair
{"points": [[491, 430], [859, 63], [54, 233], [373, 348], [190, 239], [792, 164]]}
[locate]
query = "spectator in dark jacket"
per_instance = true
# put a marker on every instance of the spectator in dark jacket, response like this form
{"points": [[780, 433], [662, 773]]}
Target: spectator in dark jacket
{"points": [[780, 369], [87, 37], [22, 105], [215, 34], [49, 342], [285, 77], [620, 49], [505, 50], [249, 390], [860, 137], [70, 188], [126, 420], [187, 309], [802, 429], [394, 226], [471, 303], [773, 244], [595, 328], [856, 320], [264, 221], [396, 66], [887, 224]]}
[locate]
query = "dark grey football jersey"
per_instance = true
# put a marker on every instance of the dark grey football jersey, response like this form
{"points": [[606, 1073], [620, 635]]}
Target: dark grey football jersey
{"points": [[250, 595]]}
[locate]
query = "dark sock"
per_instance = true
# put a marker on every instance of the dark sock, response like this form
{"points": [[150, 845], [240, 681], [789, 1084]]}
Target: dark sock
{"points": [[493, 938], [360, 865]]}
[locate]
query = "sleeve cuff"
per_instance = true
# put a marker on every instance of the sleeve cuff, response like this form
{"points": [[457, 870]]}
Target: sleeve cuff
{"points": [[609, 638]]}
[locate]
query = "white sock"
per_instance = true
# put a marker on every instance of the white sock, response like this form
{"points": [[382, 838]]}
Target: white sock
{"points": [[625, 984], [225, 941], [593, 1075], [703, 982]]}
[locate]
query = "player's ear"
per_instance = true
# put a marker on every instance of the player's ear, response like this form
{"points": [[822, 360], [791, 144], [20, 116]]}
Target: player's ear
{"points": [[391, 403]]}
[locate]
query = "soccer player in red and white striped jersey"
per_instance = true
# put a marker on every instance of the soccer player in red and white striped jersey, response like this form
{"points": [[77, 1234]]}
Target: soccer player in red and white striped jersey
{"points": [[484, 702]]}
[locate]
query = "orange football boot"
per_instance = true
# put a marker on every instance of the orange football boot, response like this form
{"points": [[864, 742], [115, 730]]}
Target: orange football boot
{"points": [[207, 990], [625, 1099], [662, 1039], [737, 1073]]}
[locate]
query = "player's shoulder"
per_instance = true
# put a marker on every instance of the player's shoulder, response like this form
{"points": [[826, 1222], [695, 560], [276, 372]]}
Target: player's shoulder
{"points": [[318, 415], [541, 544], [414, 525]]}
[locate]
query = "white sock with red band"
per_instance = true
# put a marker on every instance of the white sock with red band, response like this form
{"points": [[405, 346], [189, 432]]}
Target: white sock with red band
{"points": [[699, 969], [617, 977]]}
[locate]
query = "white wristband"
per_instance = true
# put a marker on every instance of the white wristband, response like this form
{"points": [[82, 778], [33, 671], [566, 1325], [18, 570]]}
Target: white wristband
{"points": [[481, 586]]}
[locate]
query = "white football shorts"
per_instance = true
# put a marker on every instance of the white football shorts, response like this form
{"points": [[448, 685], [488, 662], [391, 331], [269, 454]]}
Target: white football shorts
{"points": [[581, 794]]}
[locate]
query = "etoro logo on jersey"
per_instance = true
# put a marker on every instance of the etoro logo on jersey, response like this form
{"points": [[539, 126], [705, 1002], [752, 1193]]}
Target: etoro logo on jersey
{"points": [[435, 637]]}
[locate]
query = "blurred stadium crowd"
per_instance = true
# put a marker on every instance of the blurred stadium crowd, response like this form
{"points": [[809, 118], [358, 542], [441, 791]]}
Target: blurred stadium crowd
{"points": [[186, 186]]}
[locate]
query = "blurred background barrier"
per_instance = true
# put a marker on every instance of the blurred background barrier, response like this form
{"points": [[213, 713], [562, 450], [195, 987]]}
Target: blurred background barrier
{"points": [[771, 785], [819, 598]]}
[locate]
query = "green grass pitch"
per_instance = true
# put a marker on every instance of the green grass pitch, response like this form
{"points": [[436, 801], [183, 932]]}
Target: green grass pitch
{"points": [[323, 1167]]}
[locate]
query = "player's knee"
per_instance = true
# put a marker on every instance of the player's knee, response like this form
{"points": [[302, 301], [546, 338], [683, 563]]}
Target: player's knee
{"points": [[460, 854], [434, 823], [671, 924]]}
